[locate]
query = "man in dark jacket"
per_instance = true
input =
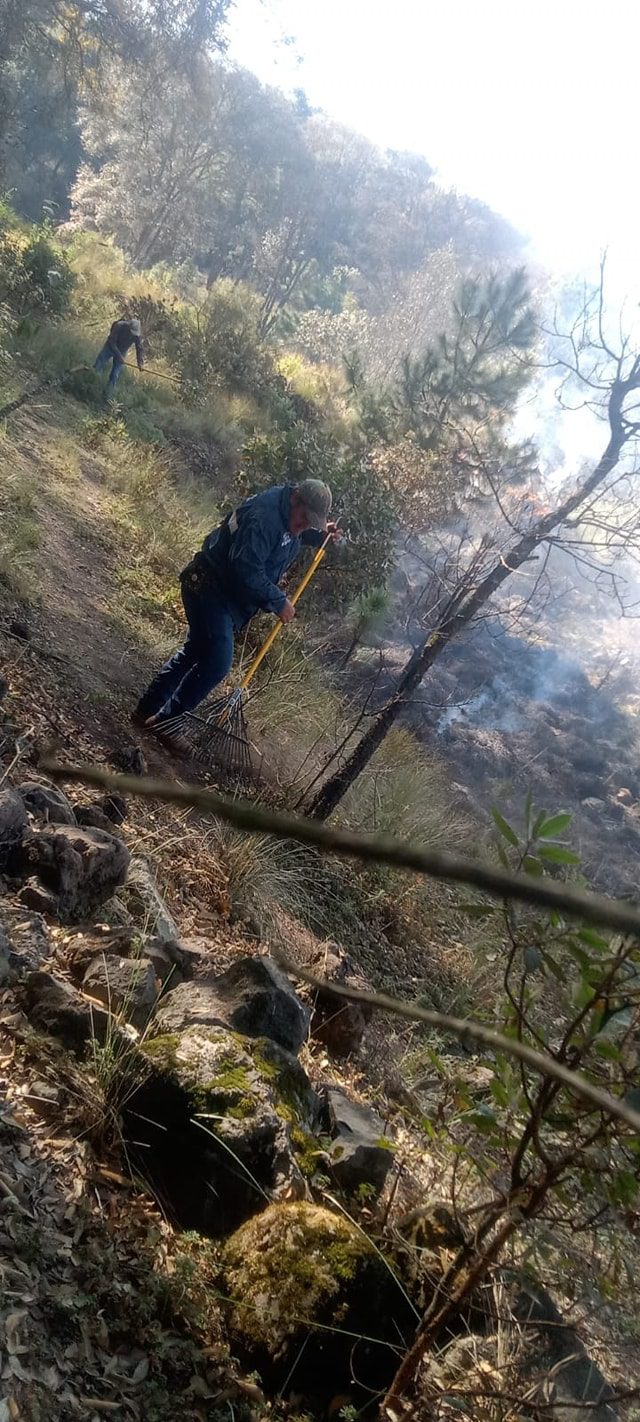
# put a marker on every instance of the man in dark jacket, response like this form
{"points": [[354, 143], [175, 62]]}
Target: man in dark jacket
{"points": [[235, 575], [122, 336]]}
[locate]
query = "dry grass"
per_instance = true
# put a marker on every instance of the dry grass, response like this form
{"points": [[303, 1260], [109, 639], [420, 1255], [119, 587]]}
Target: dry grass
{"points": [[404, 791], [20, 531], [265, 879]]}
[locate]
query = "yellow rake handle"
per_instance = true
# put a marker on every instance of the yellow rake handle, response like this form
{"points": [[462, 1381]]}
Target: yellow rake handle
{"points": [[269, 641]]}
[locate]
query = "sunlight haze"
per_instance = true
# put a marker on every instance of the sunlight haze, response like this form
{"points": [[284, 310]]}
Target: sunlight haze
{"points": [[532, 109]]}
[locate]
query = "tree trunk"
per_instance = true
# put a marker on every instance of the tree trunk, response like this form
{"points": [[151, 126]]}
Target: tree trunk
{"points": [[334, 789]]}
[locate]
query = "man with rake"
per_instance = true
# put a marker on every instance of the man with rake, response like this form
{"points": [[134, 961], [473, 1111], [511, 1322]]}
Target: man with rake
{"points": [[235, 575]]}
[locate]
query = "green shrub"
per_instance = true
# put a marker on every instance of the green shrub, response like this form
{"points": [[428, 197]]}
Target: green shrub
{"points": [[35, 276], [365, 507], [49, 276], [220, 347], [84, 385]]}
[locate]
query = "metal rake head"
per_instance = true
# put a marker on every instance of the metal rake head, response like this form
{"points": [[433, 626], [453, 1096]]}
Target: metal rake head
{"points": [[220, 738]]}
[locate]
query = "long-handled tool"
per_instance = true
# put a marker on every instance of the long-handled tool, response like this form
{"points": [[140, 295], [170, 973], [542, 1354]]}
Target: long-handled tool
{"points": [[220, 738]]}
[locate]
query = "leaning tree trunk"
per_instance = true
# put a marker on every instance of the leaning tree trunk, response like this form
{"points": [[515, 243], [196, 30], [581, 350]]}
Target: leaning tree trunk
{"points": [[336, 787]]}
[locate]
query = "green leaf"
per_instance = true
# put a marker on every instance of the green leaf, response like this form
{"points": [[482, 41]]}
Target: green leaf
{"points": [[608, 1050], [484, 1119], [555, 825], [593, 939], [624, 1188], [583, 995], [499, 1092], [554, 967], [532, 958], [505, 829], [579, 955], [478, 910], [557, 854], [531, 865]]}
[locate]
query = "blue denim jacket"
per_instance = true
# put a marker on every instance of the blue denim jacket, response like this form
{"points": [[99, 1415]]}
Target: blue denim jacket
{"points": [[251, 550]]}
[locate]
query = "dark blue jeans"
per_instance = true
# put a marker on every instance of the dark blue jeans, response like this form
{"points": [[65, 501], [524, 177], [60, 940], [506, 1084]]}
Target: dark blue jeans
{"points": [[189, 676], [105, 355]]}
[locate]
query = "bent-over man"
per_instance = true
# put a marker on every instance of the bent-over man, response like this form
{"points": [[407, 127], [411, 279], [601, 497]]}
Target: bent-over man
{"points": [[122, 336], [235, 575]]}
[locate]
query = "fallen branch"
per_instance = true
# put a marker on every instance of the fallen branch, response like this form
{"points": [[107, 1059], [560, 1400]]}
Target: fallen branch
{"points": [[372, 849]]}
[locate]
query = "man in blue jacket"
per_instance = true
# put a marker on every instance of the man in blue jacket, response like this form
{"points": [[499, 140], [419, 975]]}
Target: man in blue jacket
{"points": [[235, 574]]}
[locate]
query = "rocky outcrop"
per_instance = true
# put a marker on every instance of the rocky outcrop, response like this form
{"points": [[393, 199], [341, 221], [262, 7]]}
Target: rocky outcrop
{"points": [[360, 1153], [27, 936], [114, 806], [47, 803], [91, 817], [58, 1010], [127, 986], [143, 900], [34, 895], [309, 1291], [253, 997], [339, 1025], [83, 867], [221, 1124]]}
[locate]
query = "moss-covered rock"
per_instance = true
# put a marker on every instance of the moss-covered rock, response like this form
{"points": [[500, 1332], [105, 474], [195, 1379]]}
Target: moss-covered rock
{"points": [[297, 1275], [217, 1123]]}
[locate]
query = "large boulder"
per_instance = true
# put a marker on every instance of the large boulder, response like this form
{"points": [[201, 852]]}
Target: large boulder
{"points": [[253, 997], [13, 824], [220, 1125], [339, 1025], [360, 1153], [188, 955], [47, 803], [308, 1291], [558, 1368], [82, 866], [127, 986]]}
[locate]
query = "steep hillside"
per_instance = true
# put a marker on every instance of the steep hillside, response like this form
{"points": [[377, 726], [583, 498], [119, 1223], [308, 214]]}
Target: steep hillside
{"points": [[94, 527]]}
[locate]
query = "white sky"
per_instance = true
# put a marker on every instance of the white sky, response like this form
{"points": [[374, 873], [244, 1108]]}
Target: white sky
{"points": [[532, 107]]}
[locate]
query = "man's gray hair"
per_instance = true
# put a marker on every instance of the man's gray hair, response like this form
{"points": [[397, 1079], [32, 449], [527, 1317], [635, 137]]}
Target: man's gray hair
{"points": [[316, 499]]}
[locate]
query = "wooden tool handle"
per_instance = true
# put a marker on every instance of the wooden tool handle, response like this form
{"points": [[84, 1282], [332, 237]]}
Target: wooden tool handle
{"points": [[269, 641]]}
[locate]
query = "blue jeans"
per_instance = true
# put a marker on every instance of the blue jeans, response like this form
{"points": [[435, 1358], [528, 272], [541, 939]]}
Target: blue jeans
{"points": [[105, 355], [189, 676]]}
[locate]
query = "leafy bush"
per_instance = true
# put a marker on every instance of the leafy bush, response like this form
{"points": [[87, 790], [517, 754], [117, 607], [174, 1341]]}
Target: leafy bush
{"points": [[84, 385], [220, 347], [366, 616], [319, 393], [48, 273], [364, 506], [35, 274]]}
